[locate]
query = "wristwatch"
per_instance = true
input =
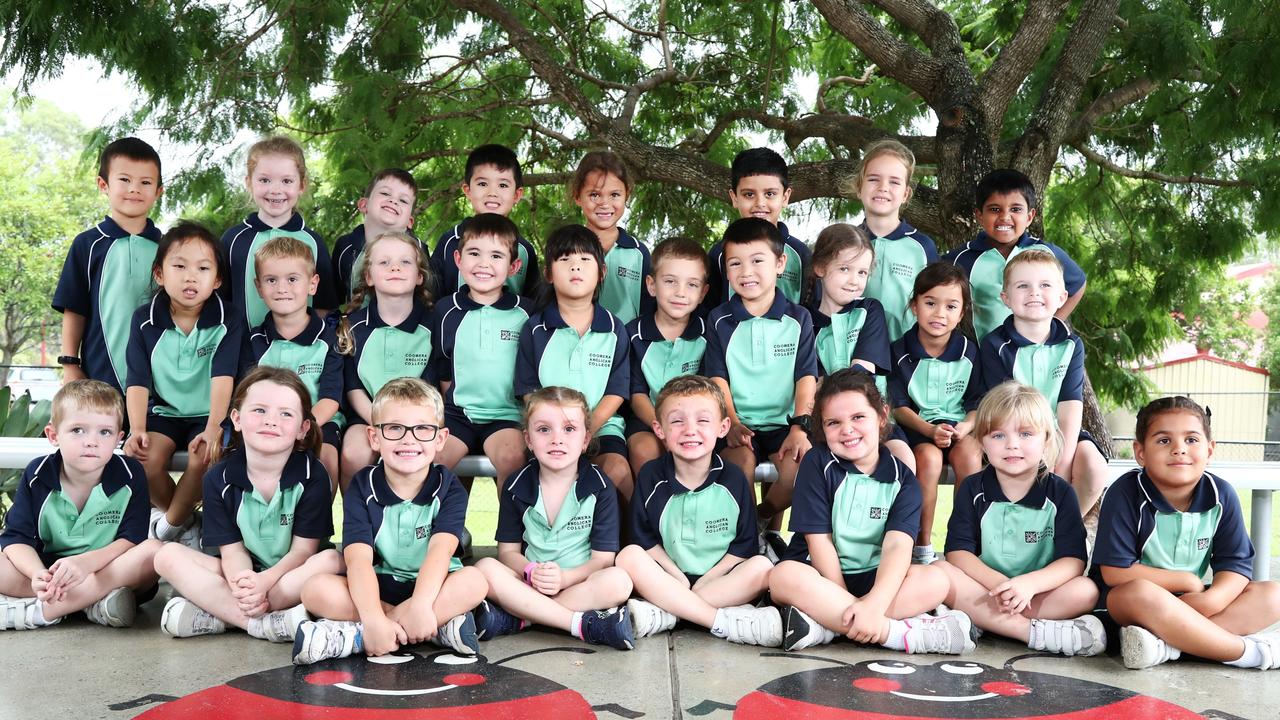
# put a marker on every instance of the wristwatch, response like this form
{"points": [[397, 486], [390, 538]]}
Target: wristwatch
{"points": [[69, 360], [800, 421]]}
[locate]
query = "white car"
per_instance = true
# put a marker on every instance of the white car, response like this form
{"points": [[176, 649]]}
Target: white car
{"points": [[42, 382]]}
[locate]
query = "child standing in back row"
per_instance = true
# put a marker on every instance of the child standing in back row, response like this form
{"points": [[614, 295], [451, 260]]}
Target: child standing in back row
{"points": [[387, 206], [601, 187]]}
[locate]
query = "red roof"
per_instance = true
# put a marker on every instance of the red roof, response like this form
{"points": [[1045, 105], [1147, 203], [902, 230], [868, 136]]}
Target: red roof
{"points": [[1204, 355]]}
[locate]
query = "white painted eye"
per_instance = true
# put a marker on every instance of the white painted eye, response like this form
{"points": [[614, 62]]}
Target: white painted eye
{"points": [[962, 669], [454, 660], [893, 669], [390, 659]]}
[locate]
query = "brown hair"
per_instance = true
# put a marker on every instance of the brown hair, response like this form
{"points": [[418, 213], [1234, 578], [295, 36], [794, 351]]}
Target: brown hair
{"points": [[599, 161], [410, 391], [1025, 406], [362, 290], [86, 396], [495, 226], [691, 386], [938, 274], [399, 175], [853, 185], [1042, 255], [284, 378], [553, 395], [284, 247], [1162, 406], [831, 243], [680, 248], [279, 145], [849, 380]]}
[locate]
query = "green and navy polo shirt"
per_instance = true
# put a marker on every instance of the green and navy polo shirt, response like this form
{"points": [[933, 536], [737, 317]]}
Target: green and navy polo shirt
{"points": [[242, 241], [475, 348], [856, 332], [595, 364], [107, 274], [984, 264], [43, 517], [384, 352], [347, 253], [1138, 525], [655, 360], [1015, 538], [178, 368], [623, 292], [834, 497], [312, 354], [791, 282], [524, 282], [1055, 368], [943, 388], [235, 512], [900, 256], [698, 527], [587, 521], [397, 529], [762, 358]]}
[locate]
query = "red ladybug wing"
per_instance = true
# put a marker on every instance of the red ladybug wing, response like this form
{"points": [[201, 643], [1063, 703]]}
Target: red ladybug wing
{"points": [[764, 706]]}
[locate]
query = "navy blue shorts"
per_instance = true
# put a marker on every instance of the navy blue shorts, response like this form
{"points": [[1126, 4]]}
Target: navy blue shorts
{"points": [[897, 433], [1086, 437], [471, 434], [859, 584], [392, 591], [331, 434], [610, 444], [914, 438], [180, 430], [634, 426]]}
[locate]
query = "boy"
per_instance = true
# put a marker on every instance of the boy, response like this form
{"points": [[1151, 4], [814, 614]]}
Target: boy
{"points": [[107, 273], [760, 352], [492, 183], [760, 188], [401, 523], [669, 342], [1036, 348], [1006, 206], [387, 206], [696, 555], [293, 336], [76, 536]]}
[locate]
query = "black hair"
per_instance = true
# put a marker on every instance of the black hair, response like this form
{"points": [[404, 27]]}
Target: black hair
{"points": [[129, 147], [758, 161], [753, 229], [181, 232], [568, 240], [1162, 406], [853, 379], [939, 273], [499, 156], [1004, 181]]}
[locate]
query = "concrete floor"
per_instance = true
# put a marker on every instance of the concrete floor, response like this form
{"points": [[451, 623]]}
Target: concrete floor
{"points": [[79, 670]]}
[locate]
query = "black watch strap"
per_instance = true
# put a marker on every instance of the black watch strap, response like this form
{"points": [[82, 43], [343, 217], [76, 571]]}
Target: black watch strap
{"points": [[800, 421], [69, 360]]}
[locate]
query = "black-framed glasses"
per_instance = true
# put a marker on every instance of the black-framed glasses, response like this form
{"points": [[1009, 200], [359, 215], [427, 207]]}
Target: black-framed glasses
{"points": [[396, 431]]}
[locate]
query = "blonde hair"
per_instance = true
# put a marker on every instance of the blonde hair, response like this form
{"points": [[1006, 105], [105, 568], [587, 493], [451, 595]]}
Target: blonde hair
{"points": [[1042, 255], [691, 386], [79, 396], [279, 145], [361, 290], [410, 391], [284, 248], [1025, 406], [853, 184]]}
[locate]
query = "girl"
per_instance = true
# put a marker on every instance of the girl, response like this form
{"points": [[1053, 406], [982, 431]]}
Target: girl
{"points": [[557, 535], [575, 342], [266, 509], [601, 186], [389, 338], [935, 387], [883, 184], [1027, 589], [277, 177], [856, 509], [183, 350]]}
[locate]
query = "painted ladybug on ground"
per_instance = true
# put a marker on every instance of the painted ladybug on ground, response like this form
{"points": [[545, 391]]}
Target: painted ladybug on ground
{"points": [[952, 690], [403, 685]]}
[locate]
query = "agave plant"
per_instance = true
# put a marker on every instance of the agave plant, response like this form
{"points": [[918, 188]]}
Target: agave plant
{"points": [[18, 418]]}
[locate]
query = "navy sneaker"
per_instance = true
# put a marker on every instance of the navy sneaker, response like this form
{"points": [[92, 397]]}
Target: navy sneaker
{"points": [[492, 621], [459, 635], [609, 627]]}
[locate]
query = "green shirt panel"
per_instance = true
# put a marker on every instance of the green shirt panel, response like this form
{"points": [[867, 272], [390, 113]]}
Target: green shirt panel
{"points": [[254, 307], [859, 514], [836, 342], [623, 282], [583, 363], [403, 538], [1017, 539], [987, 280], [305, 360], [1182, 541], [697, 527], [64, 530], [391, 353], [567, 541], [266, 528], [1043, 367], [183, 378], [669, 359], [761, 360], [484, 363], [937, 388], [126, 284], [893, 276]]}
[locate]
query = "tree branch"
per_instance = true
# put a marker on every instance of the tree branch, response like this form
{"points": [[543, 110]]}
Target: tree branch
{"points": [[1108, 103], [936, 28], [820, 100], [1106, 163], [1018, 57], [897, 59]]}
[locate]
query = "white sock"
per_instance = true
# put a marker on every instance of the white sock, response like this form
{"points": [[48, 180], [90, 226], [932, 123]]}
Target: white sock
{"points": [[1252, 656], [718, 625], [575, 626], [897, 639], [255, 628], [165, 531], [37, 617]]}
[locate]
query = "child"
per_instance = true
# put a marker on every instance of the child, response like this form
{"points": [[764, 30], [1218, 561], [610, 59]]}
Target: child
{"points": [[400, 526], [387, 206], [492, 183], [266, 509], [760, 351], [1006, 207], [557, 534], [105, 275], [184, 347], [935, 388], [696, 555], [76, 535], [292, 336], [277, 177], [1163, 528], [386, 339], [575, 342], [883, 184], [848, 569], [601, 187], [1015, 543], [475, 335], [1036, 348], [668, 343], [760, 187]]}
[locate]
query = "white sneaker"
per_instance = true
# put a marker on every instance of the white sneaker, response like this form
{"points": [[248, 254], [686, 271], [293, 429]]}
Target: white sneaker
{"points": [[279, 626], [190, 536], [801, 631], [20, 614], [459, 635], [923, 555], [946, 635], [1269, 646], [326, 639], [975, 632], [156, 514], [117, 609], [649, 619], [183, 618], [752, 626], [1081, 636], [1141, 649]]}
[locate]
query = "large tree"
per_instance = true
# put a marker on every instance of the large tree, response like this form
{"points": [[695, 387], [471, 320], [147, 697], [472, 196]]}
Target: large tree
{"points": [[1147, 120]]}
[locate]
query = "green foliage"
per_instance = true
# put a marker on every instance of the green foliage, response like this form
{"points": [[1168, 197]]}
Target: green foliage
{"points": [[18, 418], [1217, 322], [1271, 334]]}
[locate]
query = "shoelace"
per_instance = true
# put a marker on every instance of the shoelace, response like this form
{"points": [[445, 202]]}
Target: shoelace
{"points": [[935, 636]]}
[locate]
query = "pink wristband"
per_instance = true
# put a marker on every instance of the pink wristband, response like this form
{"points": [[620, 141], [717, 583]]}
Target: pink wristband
{"points": [[528, 573]]}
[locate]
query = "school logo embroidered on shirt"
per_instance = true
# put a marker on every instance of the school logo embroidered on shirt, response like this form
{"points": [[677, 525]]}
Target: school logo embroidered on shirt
{"points": [[416, 358], [628, 273], [206, 350], [580, 522], [876, 513], [108, 517], [511, 335], [420, 532], [1202, 543], [286, 519], [711, 527], [1034, 536], [600, 360], [957, 387], [902, 270], [784, 350], [306, 369]]}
